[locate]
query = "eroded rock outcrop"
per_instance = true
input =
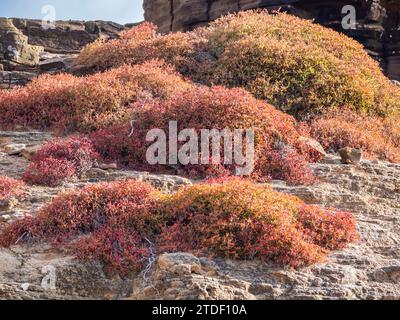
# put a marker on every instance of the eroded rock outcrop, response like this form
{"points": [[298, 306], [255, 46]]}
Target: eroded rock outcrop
{"points": [[377, 21]]}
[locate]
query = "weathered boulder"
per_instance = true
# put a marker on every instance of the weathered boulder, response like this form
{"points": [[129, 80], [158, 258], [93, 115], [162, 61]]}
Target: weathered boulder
{"points": [[182, 276], [43, 273], [377, 21], [350, 155]]}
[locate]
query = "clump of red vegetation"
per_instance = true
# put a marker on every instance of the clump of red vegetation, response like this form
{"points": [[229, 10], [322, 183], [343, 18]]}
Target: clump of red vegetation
{"points": [[379, 138], [289, 165], [61, 159], [299, 67], [215, 108], [10, 188], [69, 103], [113, 222], [239, 219], [118, 249]]}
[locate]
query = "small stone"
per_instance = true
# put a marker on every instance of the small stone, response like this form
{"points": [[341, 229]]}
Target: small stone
{"points": [[149, 291], [5, 218], [14, 149], [5, 140], [350, 155], [180, 263], [29, 152], [395, 82]]}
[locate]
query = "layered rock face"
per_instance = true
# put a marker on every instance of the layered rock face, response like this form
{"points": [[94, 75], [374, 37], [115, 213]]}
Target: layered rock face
{"points": [[28, 48], [14, 48], [377, 21]]}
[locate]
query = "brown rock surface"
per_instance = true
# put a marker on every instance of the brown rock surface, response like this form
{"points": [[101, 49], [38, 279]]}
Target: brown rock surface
{"points": [[10, 79], [67, 36], [366, 270], [15, 51]]}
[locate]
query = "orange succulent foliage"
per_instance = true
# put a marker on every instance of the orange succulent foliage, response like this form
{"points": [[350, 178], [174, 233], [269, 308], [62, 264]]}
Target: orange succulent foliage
{"points": [[299, 67], [70, 103], [10, 188], [378, 137], [111, 223], [215, 108], [296, 65], [102, 55]]}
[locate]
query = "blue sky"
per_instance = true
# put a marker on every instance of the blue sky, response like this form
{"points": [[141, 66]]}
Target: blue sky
{"points": [[121, 11]]}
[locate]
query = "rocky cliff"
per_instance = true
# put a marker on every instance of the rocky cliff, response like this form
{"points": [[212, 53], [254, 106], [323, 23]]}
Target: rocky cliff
{"points": [[27, 49], [377, 21]]}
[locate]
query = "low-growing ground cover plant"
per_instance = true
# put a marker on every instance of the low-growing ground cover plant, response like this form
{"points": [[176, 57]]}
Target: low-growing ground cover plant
{"points": [[239, 219], [299, 67], [60, 160], [296, 65], [68, 103], [279, 150], [10, 187], [49, 172], [113, 222]]}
